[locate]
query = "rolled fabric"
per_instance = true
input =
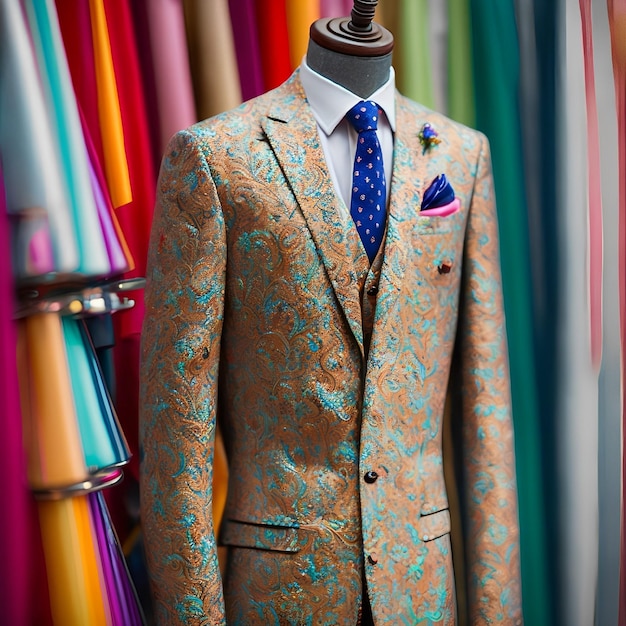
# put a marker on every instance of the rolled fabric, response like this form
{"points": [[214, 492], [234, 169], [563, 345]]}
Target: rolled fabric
{"points": [[70, 568], [300, 16], [273, 41], [243, 20], [115, 164], [28, 143], [54, 450], [58, 89], [212, 56], [103, 442]]}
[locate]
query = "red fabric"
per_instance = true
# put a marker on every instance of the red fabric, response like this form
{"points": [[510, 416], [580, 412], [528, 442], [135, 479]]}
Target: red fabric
{"points": [[75, 25], [271, 17], [135, 218]]}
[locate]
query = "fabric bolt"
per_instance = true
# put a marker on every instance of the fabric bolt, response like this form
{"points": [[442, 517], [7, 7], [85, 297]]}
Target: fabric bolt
{"points": [[73, 579], [460, 83], [59, 93], [546, 233], [369, 191], [300, 16], [594, 189], [75, 23], [438, 48], [170, 58], [212, 56], [113, 145], [577, 414], [17, 570], [33, 173], [415, 78], [246, 40], [273, 36], [617, 26], [497, 111], [335, 8], [120, 257]]}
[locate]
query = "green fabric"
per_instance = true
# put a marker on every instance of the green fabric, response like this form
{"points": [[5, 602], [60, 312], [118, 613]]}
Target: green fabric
{"points": [[496, 74], [415, 78], [460, 72]]}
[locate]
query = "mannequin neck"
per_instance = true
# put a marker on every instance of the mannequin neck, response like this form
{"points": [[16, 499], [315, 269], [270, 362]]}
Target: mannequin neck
{"points": [[360, 75]]}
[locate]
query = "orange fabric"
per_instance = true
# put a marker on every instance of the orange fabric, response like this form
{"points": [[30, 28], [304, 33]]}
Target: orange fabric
{"points": [[115, 164], [300, 16], [54, 448]]}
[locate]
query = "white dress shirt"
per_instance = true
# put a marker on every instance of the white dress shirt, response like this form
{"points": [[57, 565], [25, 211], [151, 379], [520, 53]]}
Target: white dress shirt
{"points": [[330, 102]]}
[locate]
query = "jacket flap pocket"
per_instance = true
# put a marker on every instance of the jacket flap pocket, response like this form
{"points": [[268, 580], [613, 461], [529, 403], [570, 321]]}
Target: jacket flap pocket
{"points": [[434, 525], [261, 536]]}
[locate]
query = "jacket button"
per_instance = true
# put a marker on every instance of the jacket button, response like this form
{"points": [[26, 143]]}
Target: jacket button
{"points": [[371, 559], [370, 477], [444, 268], [372, 291]]}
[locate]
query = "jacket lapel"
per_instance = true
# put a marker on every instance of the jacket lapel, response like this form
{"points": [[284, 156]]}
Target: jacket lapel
{"points": [[292, 132]]}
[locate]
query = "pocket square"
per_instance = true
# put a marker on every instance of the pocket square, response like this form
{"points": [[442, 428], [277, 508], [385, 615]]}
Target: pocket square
{"points": [[439, 194]]}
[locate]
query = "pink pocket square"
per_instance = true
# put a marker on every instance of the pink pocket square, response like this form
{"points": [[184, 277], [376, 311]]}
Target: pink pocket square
{"points": [[442, 211]]}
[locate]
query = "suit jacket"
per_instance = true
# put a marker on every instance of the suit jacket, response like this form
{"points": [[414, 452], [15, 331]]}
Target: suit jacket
{"points": [[257, 280]]}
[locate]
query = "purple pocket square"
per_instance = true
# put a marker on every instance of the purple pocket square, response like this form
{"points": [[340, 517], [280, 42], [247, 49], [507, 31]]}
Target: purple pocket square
{"points": [[438, 194]]}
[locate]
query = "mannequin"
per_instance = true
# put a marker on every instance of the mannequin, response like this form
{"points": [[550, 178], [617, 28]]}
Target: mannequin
{"points": [[354, 53], [328, 375]]}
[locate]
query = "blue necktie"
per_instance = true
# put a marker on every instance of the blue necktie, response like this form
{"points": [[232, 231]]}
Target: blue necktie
{"points": [[369, 196]]}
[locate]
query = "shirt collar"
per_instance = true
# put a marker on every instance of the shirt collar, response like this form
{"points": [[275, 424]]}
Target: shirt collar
{"points": [[330, 102]]}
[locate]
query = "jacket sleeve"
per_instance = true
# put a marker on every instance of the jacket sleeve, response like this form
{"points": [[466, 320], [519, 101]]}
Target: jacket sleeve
{"points": [[486, 428], [178, 388]]}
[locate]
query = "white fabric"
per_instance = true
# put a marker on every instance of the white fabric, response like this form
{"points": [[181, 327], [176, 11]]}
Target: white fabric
{"points": [[330, 102], [577, 412]]}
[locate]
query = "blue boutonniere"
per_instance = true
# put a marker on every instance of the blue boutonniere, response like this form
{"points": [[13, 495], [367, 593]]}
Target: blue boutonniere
{"points": [[428, 137]]}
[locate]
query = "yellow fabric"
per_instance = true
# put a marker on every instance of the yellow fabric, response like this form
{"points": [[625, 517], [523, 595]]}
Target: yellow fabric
{"points": [[212, 59], [62, 545], [115, 163], [300, 16]]}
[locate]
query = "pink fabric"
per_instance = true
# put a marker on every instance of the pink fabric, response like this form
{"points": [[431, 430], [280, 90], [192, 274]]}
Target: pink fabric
{"points": [[335, 8], [18, 532], [443, 211], [171, 67], [595, 190]]}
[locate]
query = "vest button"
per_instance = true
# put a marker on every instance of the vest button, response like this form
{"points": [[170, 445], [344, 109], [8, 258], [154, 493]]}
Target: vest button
{"points": [[372, 291], [370, 477]]}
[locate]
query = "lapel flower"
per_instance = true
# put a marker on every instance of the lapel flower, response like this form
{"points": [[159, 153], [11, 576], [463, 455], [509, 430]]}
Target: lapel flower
{"points": [[428, 137]]}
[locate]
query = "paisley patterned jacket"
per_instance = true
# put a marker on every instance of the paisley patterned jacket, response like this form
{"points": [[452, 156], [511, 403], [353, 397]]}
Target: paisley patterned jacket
{"points": [[255, 317]]}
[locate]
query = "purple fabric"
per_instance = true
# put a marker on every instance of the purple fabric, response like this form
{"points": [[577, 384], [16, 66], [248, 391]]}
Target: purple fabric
{"points": [[243, 18], [120, 589], [118, 615]]}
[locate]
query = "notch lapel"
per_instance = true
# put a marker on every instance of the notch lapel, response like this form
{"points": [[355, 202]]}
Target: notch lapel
{"points": [[292, 133]]}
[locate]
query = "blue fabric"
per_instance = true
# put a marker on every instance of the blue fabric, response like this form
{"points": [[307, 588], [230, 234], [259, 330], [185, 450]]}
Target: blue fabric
{"points": [[438, 194], [368, 183]]}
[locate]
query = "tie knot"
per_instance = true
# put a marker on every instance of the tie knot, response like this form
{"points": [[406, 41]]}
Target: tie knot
{"points": [[364, 116]]}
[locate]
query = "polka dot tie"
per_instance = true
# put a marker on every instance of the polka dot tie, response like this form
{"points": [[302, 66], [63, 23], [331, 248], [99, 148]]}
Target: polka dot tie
{"points": [[369, 196]]}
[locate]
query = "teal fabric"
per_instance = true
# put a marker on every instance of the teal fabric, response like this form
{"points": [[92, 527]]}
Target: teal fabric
{"points": [[496, 74]]}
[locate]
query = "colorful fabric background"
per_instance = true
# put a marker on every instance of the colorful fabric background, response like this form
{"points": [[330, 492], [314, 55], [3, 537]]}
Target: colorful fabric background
{"points": [[90, 93]]}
